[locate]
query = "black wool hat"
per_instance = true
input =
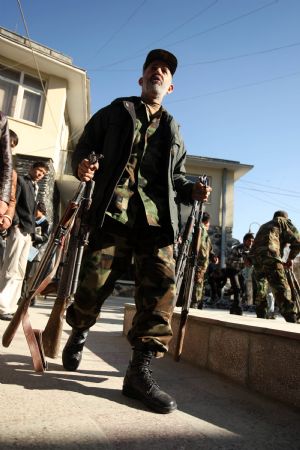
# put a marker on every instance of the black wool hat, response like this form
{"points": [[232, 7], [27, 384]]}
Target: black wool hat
{"points": [[161, 55]]}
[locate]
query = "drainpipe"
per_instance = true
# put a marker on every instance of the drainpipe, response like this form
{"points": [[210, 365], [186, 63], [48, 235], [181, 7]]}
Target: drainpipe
{"points": [[223, 218]]}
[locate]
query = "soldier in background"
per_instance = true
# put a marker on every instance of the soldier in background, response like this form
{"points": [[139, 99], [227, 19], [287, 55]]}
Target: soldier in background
{"points": [[235, 263], [205, 256], [266, 255]]}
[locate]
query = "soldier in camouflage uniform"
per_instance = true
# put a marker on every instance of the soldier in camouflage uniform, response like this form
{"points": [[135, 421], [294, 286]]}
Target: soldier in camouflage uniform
{"points": [[235, 263], [266, 255], [135, 203], [205, 255]]}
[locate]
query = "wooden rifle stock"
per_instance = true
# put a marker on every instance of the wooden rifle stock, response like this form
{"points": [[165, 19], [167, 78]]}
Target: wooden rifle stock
{"points": [[81, 202], [44, 273], [186, 269], [51, 335]]}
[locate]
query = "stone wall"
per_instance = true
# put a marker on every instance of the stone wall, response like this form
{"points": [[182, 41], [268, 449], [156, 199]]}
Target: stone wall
{"points": [[262, 356]]}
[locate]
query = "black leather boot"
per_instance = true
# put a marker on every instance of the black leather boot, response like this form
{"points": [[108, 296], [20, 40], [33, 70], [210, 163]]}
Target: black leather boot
{"points": [[139, 384], [237, 310], [291, 317], [72, 353], [236, 306]]}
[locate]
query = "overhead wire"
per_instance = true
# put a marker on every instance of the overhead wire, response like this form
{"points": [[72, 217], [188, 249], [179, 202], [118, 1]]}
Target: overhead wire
{"points": [[243, 55], [218, 60], [178, 27], [141, 51], [226, 22], [213, 28], [284, 194], [115, 33], [37, 69], [268, 186], [234, 88], [263, 200]]}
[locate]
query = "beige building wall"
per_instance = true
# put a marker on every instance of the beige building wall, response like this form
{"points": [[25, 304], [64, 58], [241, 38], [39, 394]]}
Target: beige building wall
{"points": [[48, 140], [66, 103], [220, 193]]}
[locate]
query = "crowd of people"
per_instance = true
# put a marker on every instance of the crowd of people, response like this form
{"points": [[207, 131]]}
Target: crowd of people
{"points": [[134, 216], [264, 255], [20, 228]]}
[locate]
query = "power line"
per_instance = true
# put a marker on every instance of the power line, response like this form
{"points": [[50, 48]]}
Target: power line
{"points": [[241, 86], [140, 52], [120, 28], [291, 208], [268, 186], [217, 60], [208, 30], [243, 55], [173, 30], [222, 24], [37, 67], [269, 192]]}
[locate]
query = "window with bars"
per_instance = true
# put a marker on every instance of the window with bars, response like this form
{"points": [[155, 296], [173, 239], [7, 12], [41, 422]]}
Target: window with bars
{"points": [[21, 95]]}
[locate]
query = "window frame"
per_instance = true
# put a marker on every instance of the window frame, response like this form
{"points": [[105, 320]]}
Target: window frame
{"points": [[21, 90]]}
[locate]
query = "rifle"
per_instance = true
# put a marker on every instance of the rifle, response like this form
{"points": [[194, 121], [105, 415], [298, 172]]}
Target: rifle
{"points": [[79, 236], [186, 265], [295, 288], [69, 226]]}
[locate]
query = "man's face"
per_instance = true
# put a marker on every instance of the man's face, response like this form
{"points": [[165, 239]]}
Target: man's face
{"points": [[37, 173], [248, 242], [156, 79]]}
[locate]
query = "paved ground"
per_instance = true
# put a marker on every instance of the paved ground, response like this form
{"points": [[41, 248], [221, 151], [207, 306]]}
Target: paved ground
{"points": [[86, 410]]}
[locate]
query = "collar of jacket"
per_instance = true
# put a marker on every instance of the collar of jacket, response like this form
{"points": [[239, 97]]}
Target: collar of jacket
{"points": [[131, 103]]}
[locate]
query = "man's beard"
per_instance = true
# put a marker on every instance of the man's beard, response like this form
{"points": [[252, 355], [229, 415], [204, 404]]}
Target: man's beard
{"points": [[159, 90]]}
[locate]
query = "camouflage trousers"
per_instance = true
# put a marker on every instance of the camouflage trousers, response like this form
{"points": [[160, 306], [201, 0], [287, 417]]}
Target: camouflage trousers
{"points": [[198, 287], [271, 271], [109, 255]]}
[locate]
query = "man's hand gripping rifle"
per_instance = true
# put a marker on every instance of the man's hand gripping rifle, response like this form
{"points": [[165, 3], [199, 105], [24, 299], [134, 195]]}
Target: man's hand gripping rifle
{"points": [[69, 239], [186, 265]]}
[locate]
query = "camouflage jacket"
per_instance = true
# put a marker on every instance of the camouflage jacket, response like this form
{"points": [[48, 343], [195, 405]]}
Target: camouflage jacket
{"points": [[205, 250], [5, 160], [111, 132], [271, 239], [236, 257]]}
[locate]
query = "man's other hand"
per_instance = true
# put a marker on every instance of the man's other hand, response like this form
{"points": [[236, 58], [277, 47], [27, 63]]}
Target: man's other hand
{"points": [[201, 192], [86, 170]]}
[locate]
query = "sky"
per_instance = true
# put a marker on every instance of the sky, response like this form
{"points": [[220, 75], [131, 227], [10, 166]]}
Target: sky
{"points": [[236, 90]]}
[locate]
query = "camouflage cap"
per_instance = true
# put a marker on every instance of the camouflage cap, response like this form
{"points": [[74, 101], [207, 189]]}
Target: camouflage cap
{"points": [[281, 214], [161, 55]]}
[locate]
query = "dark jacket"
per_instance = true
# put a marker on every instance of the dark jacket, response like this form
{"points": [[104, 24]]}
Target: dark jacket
{"points": [[111, 132], [26, 205], [5, 160]]}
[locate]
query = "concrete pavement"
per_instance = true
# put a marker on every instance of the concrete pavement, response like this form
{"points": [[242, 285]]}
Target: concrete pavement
{"points": [[86, 410]]}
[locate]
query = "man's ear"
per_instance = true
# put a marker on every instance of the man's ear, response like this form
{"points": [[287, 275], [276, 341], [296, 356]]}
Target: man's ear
{"points": [[170, 89], [141, 81]]}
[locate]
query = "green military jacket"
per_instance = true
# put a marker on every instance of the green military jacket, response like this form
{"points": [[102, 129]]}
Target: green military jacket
{"points": [[111, 132], [205, 250], [271, 239]]}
